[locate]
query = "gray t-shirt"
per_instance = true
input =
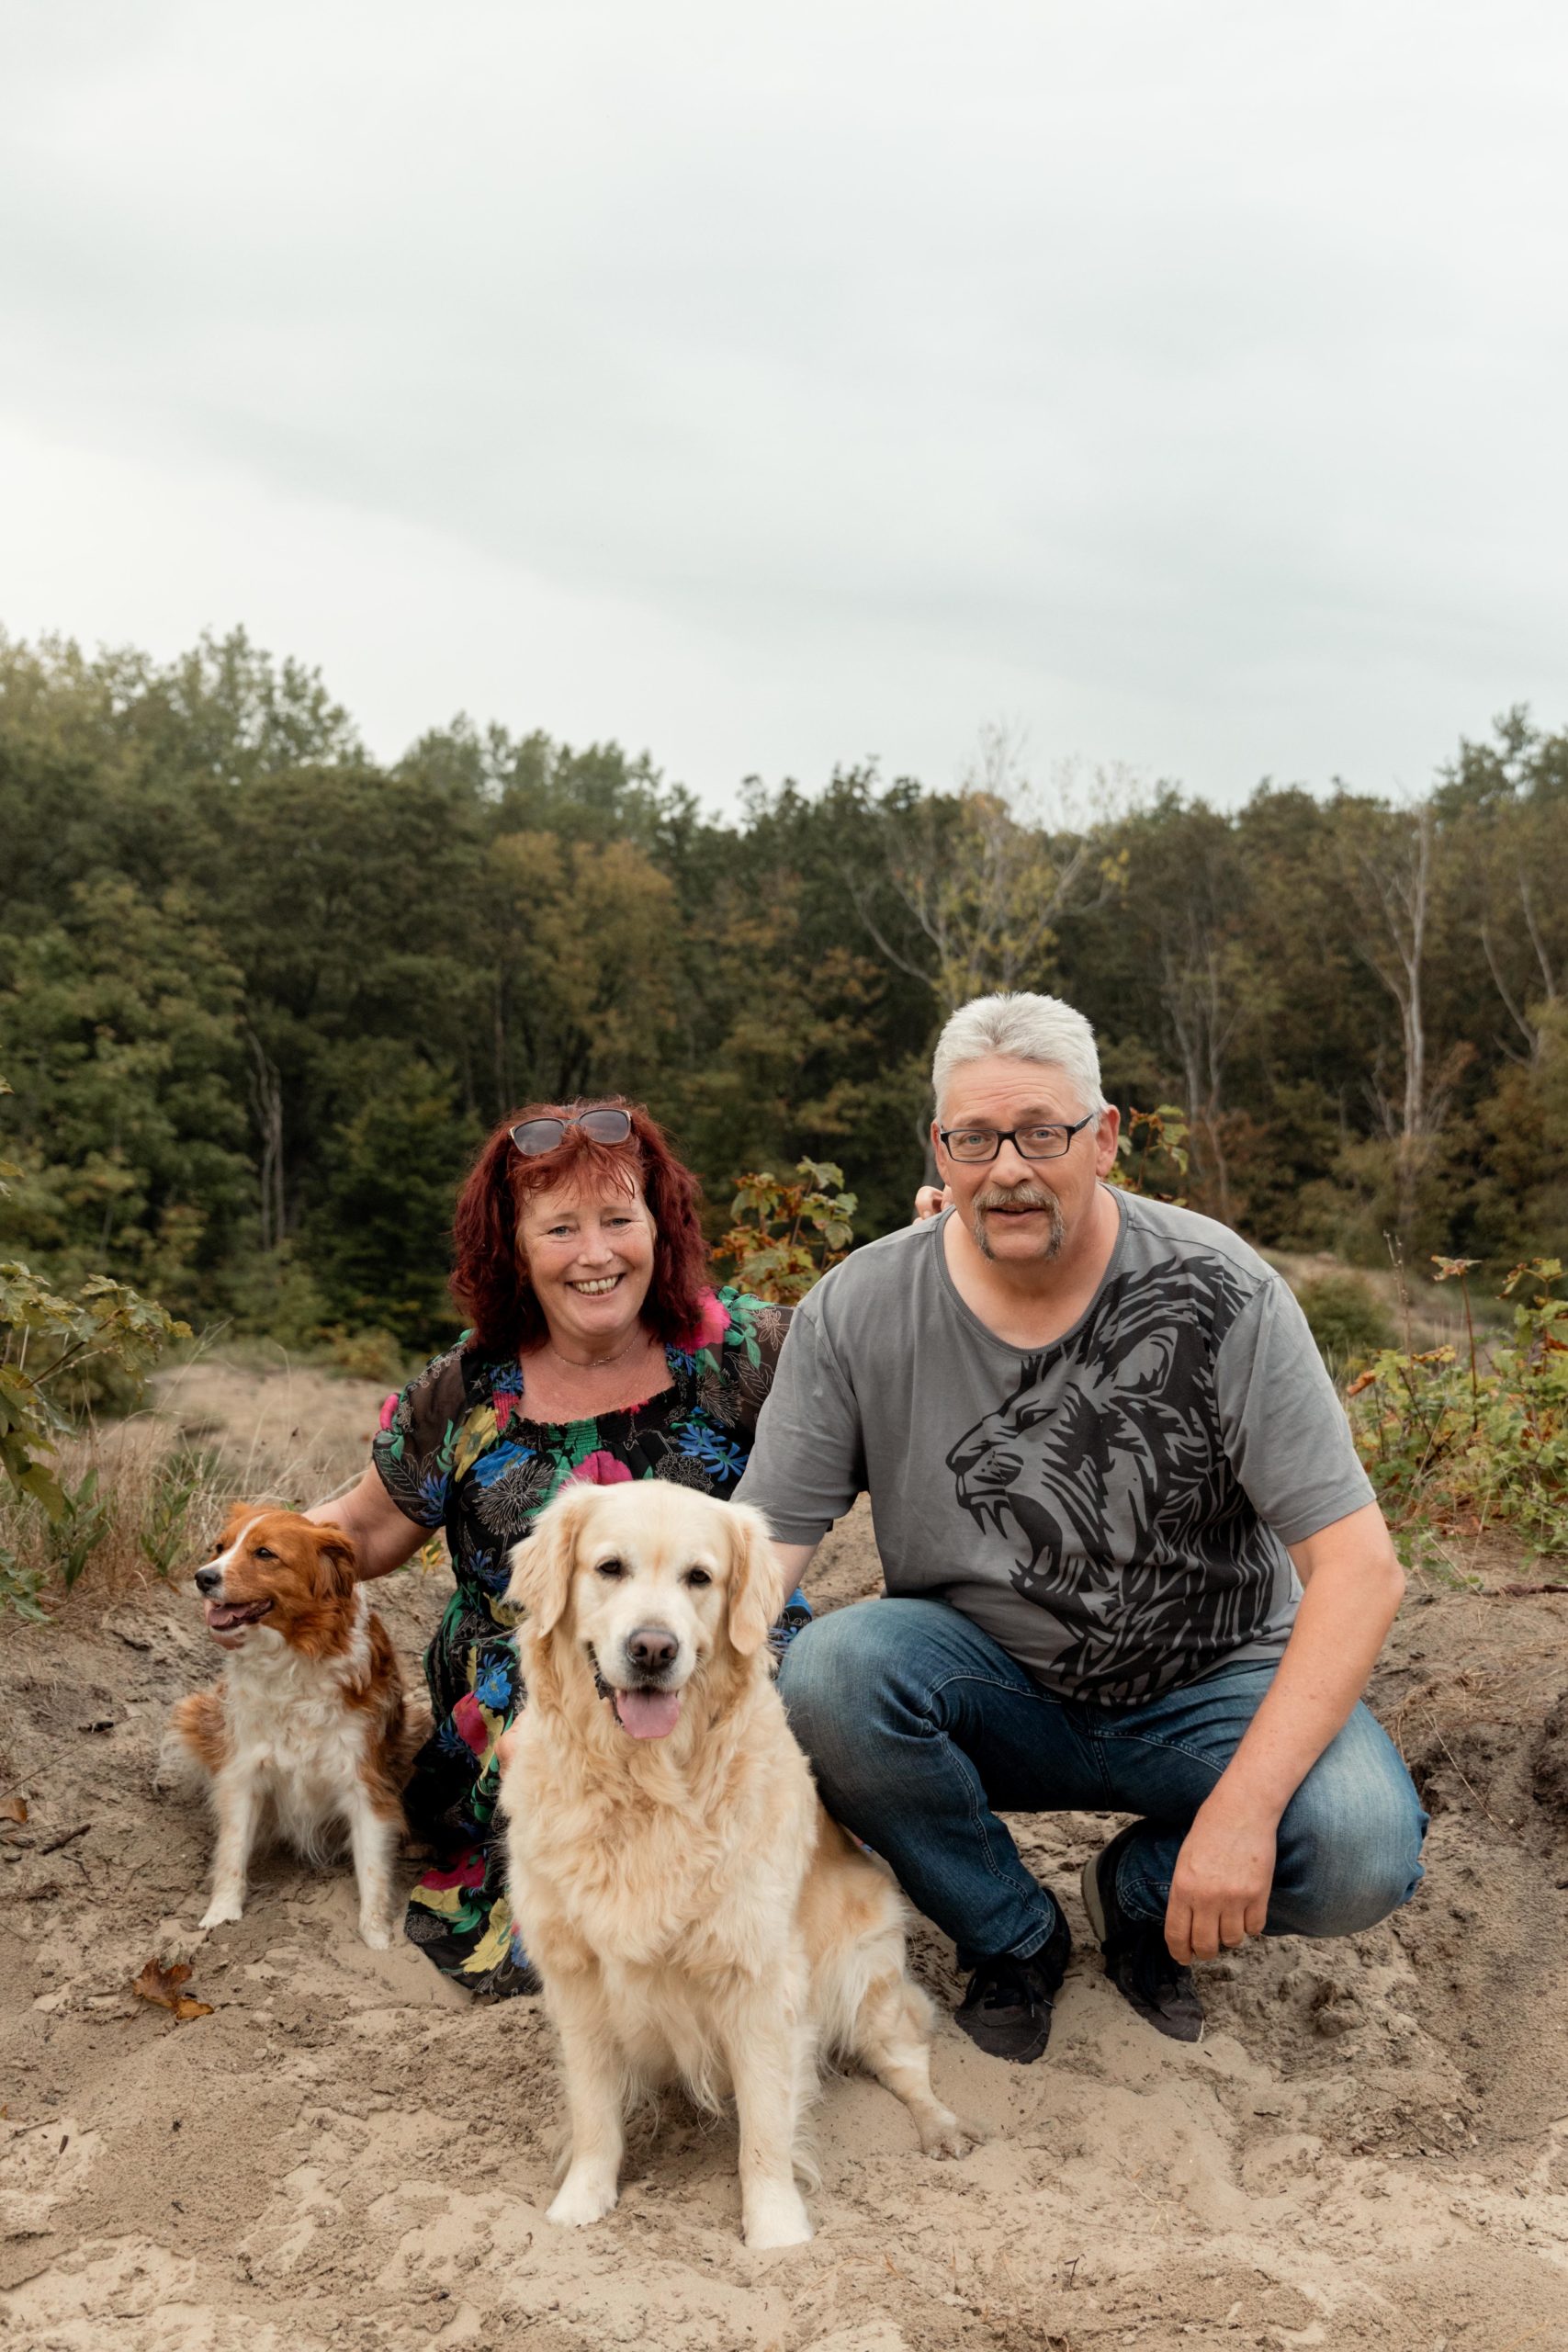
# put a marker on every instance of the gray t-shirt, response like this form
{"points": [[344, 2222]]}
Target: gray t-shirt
{"points": [[1112, 1509]]}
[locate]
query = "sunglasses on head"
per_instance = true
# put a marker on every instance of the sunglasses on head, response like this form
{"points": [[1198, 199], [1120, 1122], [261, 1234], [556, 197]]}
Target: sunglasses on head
{"points": [[533, 1135]]}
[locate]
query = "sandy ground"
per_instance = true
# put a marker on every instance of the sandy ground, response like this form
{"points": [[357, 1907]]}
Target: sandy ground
{"points": [[1370, 2148]]}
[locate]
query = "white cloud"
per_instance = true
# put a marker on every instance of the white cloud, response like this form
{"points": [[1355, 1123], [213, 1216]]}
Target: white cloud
{"points": [[772, 390]]}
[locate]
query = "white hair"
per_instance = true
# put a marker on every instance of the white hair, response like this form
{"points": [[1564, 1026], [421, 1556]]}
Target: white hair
{"points": [[1030, 1029]]}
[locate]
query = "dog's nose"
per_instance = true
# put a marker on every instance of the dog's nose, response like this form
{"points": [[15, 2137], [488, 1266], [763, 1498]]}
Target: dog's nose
{"points": [[208, 1579], [652, 1649]]}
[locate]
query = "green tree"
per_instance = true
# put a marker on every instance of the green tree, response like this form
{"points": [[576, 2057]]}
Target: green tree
{"points": [[378, 1239], [120, 1029]]}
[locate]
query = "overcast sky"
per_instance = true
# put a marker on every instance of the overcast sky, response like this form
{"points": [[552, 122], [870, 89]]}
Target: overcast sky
{"points": [[1183, 385]]}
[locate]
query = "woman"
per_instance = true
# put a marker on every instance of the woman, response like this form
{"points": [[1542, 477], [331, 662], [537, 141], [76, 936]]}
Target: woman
{"points": [[597, 1351]]}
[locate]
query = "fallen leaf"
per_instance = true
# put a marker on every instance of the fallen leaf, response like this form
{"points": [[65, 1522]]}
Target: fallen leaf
{"points": [[156, 1982], [13, 1808], [163, 1985]]}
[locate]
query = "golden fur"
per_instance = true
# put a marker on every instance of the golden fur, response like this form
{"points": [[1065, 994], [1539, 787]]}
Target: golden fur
{"points": [[691, 1910], [309, 1730]]}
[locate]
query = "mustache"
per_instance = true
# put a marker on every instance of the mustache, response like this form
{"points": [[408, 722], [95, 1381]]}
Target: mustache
{"points": [[1027, 1195], [1015, 1196]]}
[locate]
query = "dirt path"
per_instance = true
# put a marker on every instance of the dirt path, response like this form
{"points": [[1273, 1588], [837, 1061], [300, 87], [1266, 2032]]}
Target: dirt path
{"points": [[1370, 2148]]}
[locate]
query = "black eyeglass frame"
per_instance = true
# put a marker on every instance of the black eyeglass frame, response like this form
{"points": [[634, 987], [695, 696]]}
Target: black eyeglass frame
{"points": [[1012, 1134], [611, 1111]]}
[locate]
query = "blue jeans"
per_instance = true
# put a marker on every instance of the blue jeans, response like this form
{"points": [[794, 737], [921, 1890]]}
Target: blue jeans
{"points": [[920, 1729]]}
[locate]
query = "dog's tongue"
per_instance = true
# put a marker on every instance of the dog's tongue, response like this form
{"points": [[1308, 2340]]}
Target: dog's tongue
{"points": [[223, 1616], [648, 1715]]}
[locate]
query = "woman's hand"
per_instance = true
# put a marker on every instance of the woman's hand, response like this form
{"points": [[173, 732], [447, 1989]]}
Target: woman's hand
{"points": [[930, 1201], [383, 1537]]}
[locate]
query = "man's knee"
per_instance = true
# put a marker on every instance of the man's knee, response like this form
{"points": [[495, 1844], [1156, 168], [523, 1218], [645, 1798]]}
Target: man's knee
{"points": [[852, 1683], [838, 1668], [1349, 1842]]}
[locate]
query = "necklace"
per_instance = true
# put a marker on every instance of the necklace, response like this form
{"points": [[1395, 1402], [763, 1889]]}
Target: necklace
{"points": [[598, 1363]]}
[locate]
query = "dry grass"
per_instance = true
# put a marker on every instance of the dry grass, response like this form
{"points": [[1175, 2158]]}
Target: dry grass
{"points": [[153, 1490], [150, 1500]]}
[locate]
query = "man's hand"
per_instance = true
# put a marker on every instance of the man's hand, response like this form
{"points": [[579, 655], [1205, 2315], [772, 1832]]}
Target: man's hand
{"points": [[1218, 1895]]}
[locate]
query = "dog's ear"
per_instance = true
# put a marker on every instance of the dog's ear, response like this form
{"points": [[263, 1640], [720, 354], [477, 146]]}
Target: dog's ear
{"points": [[756, 1581], [541, 1567], [336, 1560]]}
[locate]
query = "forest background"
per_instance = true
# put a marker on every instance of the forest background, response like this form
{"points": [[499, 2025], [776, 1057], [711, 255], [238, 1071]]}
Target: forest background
{"points": [[261, 997]]}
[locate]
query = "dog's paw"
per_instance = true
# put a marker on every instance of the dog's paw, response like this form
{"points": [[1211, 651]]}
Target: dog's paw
{"points": [[583, 2198], [777, 2218], [376, 1933], [942, 2134], [222, 1911]]}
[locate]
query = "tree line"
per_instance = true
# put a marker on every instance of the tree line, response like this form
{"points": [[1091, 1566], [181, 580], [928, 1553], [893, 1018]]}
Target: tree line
{"points": [[262, 995]]}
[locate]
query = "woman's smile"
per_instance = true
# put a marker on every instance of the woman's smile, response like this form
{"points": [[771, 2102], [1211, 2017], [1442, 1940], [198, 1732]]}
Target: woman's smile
{"points": [[590, 1259]]}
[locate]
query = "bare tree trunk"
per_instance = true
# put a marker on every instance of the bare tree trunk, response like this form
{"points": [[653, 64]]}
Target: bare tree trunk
{"points": [[1203, 1024], [503, 1057], [1396, 893], [266, 1101], [1518, 1004]]}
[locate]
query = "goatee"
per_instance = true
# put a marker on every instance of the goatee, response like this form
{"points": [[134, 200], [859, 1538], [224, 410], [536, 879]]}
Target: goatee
{"points": [[1022, 1196]]}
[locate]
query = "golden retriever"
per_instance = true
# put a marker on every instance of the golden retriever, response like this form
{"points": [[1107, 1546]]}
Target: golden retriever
{"points": [[693, 1912]]}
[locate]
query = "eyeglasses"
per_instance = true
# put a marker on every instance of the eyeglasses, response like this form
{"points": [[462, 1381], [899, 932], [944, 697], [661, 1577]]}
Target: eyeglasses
{"points": [[1048, 1141], [533, 1135]]}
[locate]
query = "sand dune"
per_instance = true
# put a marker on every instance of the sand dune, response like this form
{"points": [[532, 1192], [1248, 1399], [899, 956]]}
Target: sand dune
{"points": [[1370, 2149]]}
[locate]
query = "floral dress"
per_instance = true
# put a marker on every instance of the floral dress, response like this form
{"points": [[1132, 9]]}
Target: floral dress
{"points": [[457, 1450]]}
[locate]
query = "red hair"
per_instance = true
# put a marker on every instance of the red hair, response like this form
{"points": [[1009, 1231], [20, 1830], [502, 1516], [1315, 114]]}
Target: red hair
{"points": [[490, 1281]]}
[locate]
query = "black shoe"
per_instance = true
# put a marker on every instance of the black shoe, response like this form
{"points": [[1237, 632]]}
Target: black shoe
{"points": [[1006, 2010], [1137, 1958]]}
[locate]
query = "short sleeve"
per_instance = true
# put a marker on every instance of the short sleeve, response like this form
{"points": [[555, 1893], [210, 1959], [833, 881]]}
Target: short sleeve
{"points": [[807, 1464], [734, 1358], [1284, 1428], [414, 1449]]}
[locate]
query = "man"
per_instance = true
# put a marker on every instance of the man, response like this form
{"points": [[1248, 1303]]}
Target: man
{"points": [[1132, 1561]]}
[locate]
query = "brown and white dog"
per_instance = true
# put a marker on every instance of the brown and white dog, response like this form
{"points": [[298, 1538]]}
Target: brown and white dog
{"points": [[310, 1732], [693, 1913]]}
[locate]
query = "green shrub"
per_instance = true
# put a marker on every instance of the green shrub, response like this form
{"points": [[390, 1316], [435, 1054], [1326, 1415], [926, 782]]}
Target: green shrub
{"points": [[366, 1355], [48, 1344], [49, 1347], [786, 1236], [1346, 1317], [1467, 1441], [1153, 1153], [272, 1293]]}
